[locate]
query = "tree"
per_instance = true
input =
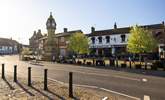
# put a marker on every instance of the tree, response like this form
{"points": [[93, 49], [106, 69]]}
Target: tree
{"points": [[141, 41], [78, 43]]}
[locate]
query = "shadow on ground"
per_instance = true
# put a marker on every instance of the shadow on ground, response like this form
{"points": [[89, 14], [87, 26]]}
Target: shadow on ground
{"points": [[10, 86], [26, 90]]}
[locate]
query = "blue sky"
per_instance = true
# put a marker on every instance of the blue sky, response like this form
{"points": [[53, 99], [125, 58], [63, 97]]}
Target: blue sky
{"points": [[19, 18]]}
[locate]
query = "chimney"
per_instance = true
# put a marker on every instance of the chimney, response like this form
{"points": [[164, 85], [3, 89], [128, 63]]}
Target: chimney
{"points": [[65, 30], [163, 22], [39, 30], [115, 26], [92, 29], [34, 32]]}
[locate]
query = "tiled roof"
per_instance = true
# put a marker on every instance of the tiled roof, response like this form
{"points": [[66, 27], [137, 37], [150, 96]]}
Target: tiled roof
{"points": [[123, 30]]}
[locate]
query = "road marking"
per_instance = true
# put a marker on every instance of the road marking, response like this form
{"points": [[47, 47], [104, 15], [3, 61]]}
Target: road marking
{"points": [[129, 78], [146, 97], [132, 97], [144, 80], [105, 98], [95, 87]]}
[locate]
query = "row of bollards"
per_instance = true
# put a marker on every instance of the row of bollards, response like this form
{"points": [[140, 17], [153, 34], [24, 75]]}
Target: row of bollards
{"points": [[45, 78]]}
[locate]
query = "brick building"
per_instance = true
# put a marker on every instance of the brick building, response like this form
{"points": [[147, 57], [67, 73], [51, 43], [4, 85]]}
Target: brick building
{"points": [[34, 41], [38, 42]]}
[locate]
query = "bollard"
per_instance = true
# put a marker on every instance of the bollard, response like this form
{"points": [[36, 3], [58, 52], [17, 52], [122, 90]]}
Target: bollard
{"points": [[15, 73], [3, 71], [93, 62], [29, 76], [70, 85], [145, 66], [45, 79], [116, 62], [130, 64]]}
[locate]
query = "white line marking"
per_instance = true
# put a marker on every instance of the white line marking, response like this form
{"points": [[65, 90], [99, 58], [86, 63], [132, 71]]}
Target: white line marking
{"points": [[95, 87], [121, 94], [146, 97], [129, 78], [144, 80], [105, 98]]}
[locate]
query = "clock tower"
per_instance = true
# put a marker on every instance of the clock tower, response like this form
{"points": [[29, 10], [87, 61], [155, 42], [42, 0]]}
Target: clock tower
{"points": [[50, 46]]}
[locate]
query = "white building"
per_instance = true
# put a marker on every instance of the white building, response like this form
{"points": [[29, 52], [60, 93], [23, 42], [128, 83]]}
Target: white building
{"points": [[114, 41], [8, 46]]}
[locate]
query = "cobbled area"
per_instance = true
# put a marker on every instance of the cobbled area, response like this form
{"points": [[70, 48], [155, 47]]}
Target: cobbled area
{"points": [[10, 90]]}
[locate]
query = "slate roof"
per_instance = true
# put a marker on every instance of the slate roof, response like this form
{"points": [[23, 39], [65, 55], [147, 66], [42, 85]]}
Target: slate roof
{"points": [[7, 42], [123, 30], [67, 33], [63, 34]]}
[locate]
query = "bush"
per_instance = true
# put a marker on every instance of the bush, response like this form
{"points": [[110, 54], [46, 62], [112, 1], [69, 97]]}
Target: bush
{"points": [[153, 67], [89, 63], [123, 65], [157, 64], [138, 66], [112, 62], [79, 62], [100, 63]]}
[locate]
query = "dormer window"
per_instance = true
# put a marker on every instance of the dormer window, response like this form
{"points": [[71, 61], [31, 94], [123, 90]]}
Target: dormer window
{"points": [[107, 39], [122, 38], [100, 39], [93, 40]]}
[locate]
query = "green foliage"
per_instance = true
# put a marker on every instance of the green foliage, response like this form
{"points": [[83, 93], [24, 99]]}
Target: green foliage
{"points": [[141, 40], [78, 43], [26, 51]]}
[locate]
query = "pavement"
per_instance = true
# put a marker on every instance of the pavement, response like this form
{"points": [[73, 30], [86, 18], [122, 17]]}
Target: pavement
{"points": [[137, 84]]}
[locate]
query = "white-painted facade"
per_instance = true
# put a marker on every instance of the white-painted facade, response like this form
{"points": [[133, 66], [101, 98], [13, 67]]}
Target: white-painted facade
{"points": [[8, 49], [114, 40]]}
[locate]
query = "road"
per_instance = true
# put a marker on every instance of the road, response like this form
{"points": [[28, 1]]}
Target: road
{"points": [[132, 84]]}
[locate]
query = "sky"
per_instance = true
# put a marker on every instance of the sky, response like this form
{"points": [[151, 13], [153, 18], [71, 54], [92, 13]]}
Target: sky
{"points": [[20, 18]]}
